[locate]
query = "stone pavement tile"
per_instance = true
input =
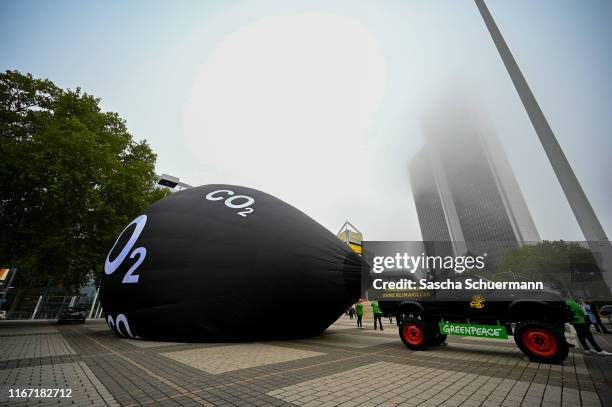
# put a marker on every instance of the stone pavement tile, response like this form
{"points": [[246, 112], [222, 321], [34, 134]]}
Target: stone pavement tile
{"points": [[349, 340], [86, 389], [33, 346], [27, 330], [389, 332], [129, 385], [466, 373], [599, 374], [590, 398], [483, 346], [98, 327], [403, 384], [338, 327], [221, 359], [510, 340], [501, 360], [150, 344]]}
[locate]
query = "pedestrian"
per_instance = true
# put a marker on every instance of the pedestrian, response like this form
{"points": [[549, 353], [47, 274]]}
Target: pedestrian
{"points": [[377, 314], [598, 322], [588, 312], [351, 312], [582, 329], [359, 312]]}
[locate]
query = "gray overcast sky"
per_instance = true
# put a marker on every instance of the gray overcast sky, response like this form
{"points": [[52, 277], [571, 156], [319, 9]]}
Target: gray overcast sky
{"points": [[321, 104]]}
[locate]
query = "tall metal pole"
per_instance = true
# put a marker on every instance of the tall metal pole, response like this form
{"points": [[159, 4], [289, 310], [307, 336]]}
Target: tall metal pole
{"points": [[93, 304], [583, 211], [36, 308]]}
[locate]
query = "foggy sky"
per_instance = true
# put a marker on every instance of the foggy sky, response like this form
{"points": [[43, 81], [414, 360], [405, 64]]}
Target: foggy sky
{"points": [[322, 104]]}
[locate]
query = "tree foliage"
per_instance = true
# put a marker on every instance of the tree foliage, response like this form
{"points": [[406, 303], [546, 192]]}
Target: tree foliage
{"points": [[555, 262], [71, 177]]}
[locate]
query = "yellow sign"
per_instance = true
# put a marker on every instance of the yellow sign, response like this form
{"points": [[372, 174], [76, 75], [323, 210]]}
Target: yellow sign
{"points": [[356, 247], [478, 301], [351, 236]]}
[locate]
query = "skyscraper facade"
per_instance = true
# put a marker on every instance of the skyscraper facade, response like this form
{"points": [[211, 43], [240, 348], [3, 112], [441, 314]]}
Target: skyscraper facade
{"points": [[465, 191]]}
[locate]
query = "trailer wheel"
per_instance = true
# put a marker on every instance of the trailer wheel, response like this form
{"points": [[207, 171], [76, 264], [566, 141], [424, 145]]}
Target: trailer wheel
{"points": [[541, 342], [415, 333]]}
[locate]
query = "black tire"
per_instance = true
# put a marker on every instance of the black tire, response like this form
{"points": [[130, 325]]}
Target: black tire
{"points": [[415, 334], [438, 339], [541, 342]]}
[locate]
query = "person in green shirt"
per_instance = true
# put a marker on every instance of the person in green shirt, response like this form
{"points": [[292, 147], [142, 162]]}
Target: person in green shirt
{"points": [[582, 328], [377, 314], [359, 312]]}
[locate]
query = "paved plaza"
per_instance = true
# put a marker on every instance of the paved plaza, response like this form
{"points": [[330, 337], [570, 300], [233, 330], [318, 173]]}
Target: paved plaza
{"points": [[344, 367]]}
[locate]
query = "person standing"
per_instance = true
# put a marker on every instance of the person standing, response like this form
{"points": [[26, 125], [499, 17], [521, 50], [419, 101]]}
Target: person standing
{"points": [[598, 322], [359, 312], [582, 329], [590, 317], [377, 314]]}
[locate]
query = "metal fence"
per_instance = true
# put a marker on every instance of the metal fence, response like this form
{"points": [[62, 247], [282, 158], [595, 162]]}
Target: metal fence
{"points": [[50, 306]]}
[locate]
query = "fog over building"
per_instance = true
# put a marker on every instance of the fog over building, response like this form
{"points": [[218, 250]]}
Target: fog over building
{"points": [[466, 195]]}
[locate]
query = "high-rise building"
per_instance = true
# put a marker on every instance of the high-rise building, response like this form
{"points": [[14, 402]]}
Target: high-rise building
{"points": [[464, 189]]}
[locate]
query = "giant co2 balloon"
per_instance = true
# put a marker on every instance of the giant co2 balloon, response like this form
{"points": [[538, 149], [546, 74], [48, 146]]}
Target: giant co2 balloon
{"points": [[226, 263]]}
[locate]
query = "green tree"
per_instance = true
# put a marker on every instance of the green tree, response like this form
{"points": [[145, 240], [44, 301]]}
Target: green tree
{"points": [[71, 177], [556, 262]]}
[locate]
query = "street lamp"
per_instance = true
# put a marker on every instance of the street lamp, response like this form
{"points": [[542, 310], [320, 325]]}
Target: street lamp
{"points": [[172, 182]]}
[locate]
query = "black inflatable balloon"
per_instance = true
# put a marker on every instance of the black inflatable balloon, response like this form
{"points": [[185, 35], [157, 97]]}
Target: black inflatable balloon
{"points": [[226, 263]]}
